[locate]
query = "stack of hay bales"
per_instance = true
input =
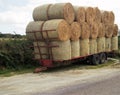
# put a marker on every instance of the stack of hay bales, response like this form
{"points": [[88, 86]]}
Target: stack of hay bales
{"points": [[75, 30], [98, 31], [51, 30]]}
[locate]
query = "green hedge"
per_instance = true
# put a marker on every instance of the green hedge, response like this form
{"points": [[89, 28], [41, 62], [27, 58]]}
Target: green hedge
{"points": [[16, 54]]}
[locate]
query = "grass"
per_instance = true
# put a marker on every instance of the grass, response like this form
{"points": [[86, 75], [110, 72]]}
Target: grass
{"points": [[75, 66], [8, 73]]}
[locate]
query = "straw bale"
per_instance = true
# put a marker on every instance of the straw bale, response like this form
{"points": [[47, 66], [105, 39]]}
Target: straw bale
{"points": [[85, 30], [75, 49], [75, 31], [79, 14], [60, 29], [34, 28], [38, 50], [105, 17], [40, 13], [93, 30], [108, 44], [108, 17], [115, 30], [114, 43], [63, 52], [93, 46], [62, 11], [97, 15], [101, 30], [111, 17], [90, 14], [84, 47], [109, 30], [101, 44]]}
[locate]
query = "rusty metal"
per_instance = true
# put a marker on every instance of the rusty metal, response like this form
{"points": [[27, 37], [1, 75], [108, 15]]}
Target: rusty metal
{"points": [[48, 11]]}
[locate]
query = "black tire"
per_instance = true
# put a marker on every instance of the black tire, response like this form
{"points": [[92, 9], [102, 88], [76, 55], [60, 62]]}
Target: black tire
{"points": [[103, 58], [95, 59]]}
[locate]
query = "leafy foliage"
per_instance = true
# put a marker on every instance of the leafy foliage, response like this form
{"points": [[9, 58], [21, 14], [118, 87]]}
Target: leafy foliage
{"points": [[15, 54]]}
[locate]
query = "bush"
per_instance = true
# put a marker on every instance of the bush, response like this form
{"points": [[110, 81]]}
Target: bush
{"points": [[16, 54]]}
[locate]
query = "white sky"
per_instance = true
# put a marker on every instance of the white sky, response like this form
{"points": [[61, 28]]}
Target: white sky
{"points": [[15, 14]]}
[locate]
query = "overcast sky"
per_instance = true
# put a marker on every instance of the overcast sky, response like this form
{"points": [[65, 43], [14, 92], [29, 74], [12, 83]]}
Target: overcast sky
{"points": [[16, 14]]}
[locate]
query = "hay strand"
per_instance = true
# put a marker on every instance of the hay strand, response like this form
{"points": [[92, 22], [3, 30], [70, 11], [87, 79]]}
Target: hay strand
{"points": [[111, 17], [90, 14], [75, 31], [101, 30], [93, 30], [37, 48], [57, 28], [107, 44], [33, 30], [84, 47], [79, 14], [40, 13], [63, 52], [85, 30], [114, 43], [115, 30], [93, 46], [62, 11], [97, 15], [108, 31], [101, 44], [75, 49]]}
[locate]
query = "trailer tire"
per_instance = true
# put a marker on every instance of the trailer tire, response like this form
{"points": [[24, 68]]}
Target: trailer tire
{"points": [[103, 58], [95, 60]]}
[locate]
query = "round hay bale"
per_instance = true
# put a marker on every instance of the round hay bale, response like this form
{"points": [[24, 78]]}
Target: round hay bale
{"points": [[33, 30], [97, 15], [84, 47], [101, 44], [90, 14], [115, 30], [75, 31], [57, 28], [108, 17], [108, 44], [101, 30], [93, 46], [40, 13], [105, 17], [93, 30], [63, 52], [75, 49], [62, 11], [108, 30], [38, 50], [111, 17], [79, 14], [114, 43], [85, 30]]}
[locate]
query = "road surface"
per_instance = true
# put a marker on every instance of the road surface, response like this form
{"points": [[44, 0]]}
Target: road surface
{"points": [[103, 81], [110, 86]]}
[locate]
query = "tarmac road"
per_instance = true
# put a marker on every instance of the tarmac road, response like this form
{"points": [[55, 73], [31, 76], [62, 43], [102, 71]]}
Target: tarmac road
{"points": [[110, 86], [103, 81]]}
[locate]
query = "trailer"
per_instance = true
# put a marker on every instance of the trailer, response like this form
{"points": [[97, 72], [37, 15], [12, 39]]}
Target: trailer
{"points": [[93, 59]]}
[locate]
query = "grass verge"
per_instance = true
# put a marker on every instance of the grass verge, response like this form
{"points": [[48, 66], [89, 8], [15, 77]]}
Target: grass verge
{"points": [[8, 73], [76, 66]]}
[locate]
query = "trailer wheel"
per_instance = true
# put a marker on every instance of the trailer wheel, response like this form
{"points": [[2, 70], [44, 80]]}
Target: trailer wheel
{"points": [[103, 58], [95, 60]]}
